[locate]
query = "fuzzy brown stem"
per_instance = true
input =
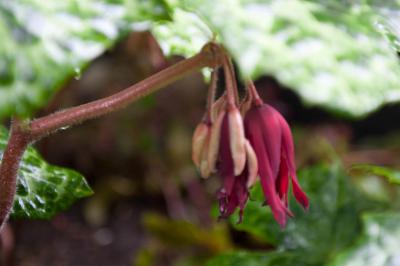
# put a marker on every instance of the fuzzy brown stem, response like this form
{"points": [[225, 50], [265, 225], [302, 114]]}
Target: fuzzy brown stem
{"points": [[253, 93], [23, 134], [211, 93], [233, 77], [17, 143], [75, 115], [229, 83]]}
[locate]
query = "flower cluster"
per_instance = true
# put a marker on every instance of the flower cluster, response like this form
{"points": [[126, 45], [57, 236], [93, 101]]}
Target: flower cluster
{"points": [[243, 143]]}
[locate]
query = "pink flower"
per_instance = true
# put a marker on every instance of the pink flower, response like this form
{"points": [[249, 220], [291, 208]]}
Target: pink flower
{"points": [[271, 139], [232, 157], [240, 150]]}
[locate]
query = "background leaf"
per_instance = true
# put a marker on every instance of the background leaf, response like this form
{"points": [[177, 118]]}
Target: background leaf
{"points": [[239, 258], [45, 42], [331, 53], [336, 54], [393, 176], [331, 224], [379, 244], [43, 190]]}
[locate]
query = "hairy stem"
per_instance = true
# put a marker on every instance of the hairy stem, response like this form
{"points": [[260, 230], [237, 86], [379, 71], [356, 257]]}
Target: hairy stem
{"points": [[229, 82], [23, 134], [253, 93], [211, 93], [233, 77], [75, 115], [17, 143]]}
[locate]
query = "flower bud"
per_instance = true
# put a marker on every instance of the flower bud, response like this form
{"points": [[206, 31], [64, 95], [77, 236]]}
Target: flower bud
{"points": [[237, 140], [199, 138]]}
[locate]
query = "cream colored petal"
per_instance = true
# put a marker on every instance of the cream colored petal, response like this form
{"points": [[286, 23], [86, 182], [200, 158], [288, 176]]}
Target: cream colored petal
{"points": [[237, 140], [204, 163], [252, 165], [198, 140], [214, 142]]}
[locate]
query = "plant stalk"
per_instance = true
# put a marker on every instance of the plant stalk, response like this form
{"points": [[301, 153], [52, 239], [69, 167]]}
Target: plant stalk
{"points": [[17, 144], [46, 125], [22, 135]]}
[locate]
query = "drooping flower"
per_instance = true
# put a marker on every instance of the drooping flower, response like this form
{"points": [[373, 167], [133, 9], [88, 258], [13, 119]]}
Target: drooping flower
{"points": [[271, 138], [241, 150], [236, 163]]}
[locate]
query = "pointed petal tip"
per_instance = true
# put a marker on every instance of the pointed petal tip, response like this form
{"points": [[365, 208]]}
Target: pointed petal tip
{"points": [[299, 194], [289, 213], [282, 223], [306, 205]]}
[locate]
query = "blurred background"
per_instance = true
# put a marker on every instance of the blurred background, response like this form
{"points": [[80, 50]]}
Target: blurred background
{"points": [[326, 66], [150, 206]]}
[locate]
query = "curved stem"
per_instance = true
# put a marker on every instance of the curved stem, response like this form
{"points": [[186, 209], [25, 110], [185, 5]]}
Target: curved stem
{"points": [[23, 134], [254, 94], [17, 144], [229, 82], [233, 76], [75, 115], [211, 93]]}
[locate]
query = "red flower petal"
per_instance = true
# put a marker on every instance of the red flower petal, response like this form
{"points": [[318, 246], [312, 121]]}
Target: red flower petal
{"points": [[288, 153], [257, 134], [272, 135], [299, 194], [282, 182]]}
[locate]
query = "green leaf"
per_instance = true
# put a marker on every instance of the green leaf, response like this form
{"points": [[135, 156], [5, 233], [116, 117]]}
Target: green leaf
{"points": [[181, 233], [46, 42], [388, 20], [243, 258], [331, 224], [392, 175], [332, 53], [258, 219], [379, 244], [43, 190]]}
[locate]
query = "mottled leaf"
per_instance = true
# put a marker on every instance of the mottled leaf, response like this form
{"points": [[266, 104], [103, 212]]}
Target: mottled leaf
{"points": [[46, 42], [379, 244], [331, 224], [332, 53], [44, 190]]}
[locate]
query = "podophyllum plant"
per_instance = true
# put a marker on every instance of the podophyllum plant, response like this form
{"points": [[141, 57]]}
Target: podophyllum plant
{"points": [[222, 143]]}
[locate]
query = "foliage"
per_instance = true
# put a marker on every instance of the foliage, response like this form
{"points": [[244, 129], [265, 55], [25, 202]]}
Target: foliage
{"points": [[45, 42], [331, 53], [329, 228], [43, 190], [379, 244], [391, 175], [239, 258]]}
